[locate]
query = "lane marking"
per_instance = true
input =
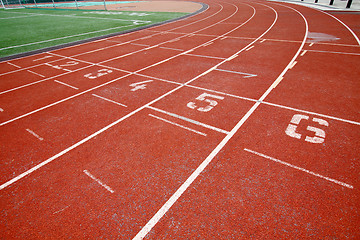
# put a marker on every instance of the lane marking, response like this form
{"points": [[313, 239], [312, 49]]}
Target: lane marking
{"points": [[56, 67], [35, 60], [1, 110], [203, 56], [65, 84], [249, 48], [208, 43], [109, 100], [179, 125], [61, 210], [263, 40], [345, 53], [141, 45], [303, 53], [311, 44], [189, 120], [34, 134], [36, 73], [247, 75], [175, 49], [293, 64], [13, 65], [300, 169], [98, 181], [277, 81]]}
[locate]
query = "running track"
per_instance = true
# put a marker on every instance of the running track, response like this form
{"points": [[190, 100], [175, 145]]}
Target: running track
{"points": [[241, 122]]}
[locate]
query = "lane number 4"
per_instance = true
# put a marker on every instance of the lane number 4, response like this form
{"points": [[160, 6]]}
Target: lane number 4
{"points": [[209, 98], [319, 133]]}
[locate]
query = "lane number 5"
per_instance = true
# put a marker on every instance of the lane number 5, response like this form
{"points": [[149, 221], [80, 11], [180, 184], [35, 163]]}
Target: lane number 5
{"points": [[207, 98]]}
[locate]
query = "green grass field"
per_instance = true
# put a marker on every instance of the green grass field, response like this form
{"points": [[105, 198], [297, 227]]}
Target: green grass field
{"points": [[23, 30]]}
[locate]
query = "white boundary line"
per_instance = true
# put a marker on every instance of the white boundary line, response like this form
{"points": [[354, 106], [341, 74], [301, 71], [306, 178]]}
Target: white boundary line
{"points": [[189, 120], [109, 100], [62, 83], [178, 125], [36, 73], [300, 169], [34, 134], [98, 181]]}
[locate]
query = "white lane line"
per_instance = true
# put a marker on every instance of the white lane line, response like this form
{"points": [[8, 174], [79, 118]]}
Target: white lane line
{"points": [[56, 67], [189, 120], [300, 169], [165, 208], [39, 59], [178, 125], [345, 53], [109, 100], [277, 81], [36, 73], [98, 181], [13, 65], [175, 49], [293, 64], [62, 83], [34, 134], [249, 48], [207, 44], [247, 75], [351, 31], [303, 53], [203, 56], [262, 40], [61, 210], [141, 45], [310, 45]]}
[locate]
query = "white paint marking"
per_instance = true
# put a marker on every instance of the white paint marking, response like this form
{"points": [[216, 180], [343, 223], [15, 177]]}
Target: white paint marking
{"points": [[66, 84], [278, 80], [262, 40], [249, 48], [293, 64], [42, 58], [106, 99], [303, 53], [35, 73], [207, 44], [34, 134], [203, 56], [318, 51], [232, 57], [61, 210], [175, 49], [13, 65], [141, 45], [300, 169], [98, 181], [189, 129], [310, 45], [189, 120], [1, 110], [247, 75]]}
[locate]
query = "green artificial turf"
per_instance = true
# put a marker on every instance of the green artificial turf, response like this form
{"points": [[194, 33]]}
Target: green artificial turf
{"points": [[26, 26]]}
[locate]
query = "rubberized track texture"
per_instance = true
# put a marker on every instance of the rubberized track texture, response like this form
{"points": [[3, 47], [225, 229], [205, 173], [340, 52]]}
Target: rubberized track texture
{"points": [[241, 122]]}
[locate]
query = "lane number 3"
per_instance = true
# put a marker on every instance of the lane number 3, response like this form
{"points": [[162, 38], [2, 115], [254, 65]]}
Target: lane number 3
{"points": [[319, 133], [208, 98], [99, 73]]}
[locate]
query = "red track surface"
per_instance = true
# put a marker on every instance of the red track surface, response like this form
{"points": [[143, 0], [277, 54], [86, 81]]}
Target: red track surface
{"points": [[241, 122]]}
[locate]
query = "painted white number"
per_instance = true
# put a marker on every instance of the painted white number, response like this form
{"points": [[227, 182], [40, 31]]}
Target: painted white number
{"points": [[204, 97], [99, 73], [139, 85], [319, 133], [67, 64]]}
